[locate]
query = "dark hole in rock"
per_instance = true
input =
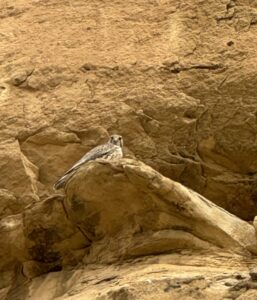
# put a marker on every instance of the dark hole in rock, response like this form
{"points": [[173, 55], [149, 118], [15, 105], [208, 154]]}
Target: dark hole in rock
{"points": [[88, 67], [56, 268]]}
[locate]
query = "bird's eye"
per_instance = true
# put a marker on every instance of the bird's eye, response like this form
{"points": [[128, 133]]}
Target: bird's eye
{"points": [[120, 138]]}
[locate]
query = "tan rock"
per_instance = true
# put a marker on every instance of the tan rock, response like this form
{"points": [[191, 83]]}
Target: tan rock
{"points": [[19, 78], [39, 240], [160, 277], [120, 211], [178, 80], [52, 136], [9, 203], [249, 295], [137, 211], [19, 175], [12, 250], [255, 224], [193, 82], [51, 239]]}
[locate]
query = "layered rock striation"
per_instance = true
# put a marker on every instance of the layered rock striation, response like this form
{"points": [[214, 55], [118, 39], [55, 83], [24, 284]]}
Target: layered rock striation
{"points": [[116, 213], [176, 79]]}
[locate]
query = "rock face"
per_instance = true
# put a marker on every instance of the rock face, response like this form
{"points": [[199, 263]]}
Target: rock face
{"points": [[176, 79], [112, 213], [111, 202]]}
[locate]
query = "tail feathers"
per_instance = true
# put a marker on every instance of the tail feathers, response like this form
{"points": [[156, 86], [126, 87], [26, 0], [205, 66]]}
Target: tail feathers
{"points": [[61, 182]]}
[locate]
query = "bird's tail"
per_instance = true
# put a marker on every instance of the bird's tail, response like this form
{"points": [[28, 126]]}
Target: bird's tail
{"points": [[60, 183]]}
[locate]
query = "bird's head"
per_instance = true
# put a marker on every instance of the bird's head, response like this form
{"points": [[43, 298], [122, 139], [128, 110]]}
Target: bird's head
{"points": [[117, 140]]}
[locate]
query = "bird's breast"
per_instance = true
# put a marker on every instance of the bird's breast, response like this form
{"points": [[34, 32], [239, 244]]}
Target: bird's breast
{"points": [[115, 153]]}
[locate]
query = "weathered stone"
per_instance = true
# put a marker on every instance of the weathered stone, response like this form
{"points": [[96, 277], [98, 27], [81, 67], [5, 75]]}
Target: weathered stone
{"points": [[136, 201], [12, 250], [193, 82], [9, 204], [51, 239], [178, 80], [40, 240], [19, 176], [253, 274], [248, 295], [20, 77]]}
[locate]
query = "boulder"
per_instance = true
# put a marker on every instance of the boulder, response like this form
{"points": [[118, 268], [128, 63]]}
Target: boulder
{"points": [[127, 209]]}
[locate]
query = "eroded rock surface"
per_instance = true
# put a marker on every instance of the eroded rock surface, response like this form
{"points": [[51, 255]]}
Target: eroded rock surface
{"points": [[176, 79], [115, 201], [118, 213]]}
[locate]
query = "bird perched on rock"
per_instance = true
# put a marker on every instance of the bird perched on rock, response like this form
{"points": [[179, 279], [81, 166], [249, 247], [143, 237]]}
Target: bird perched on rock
{"points": [[110, 150]]}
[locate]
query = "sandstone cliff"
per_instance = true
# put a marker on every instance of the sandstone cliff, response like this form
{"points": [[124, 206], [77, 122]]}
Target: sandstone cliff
{"points": [[177, 80], [128, 216]]}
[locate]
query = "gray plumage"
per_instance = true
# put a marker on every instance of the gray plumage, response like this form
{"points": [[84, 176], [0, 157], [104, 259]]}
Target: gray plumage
{"points": [[111, 150]]}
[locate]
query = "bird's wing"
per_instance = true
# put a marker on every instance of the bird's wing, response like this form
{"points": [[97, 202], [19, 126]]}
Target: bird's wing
{"points": [[95, 153]]}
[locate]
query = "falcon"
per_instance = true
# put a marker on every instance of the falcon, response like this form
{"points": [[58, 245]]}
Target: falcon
{"points": [[110, 150]]}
